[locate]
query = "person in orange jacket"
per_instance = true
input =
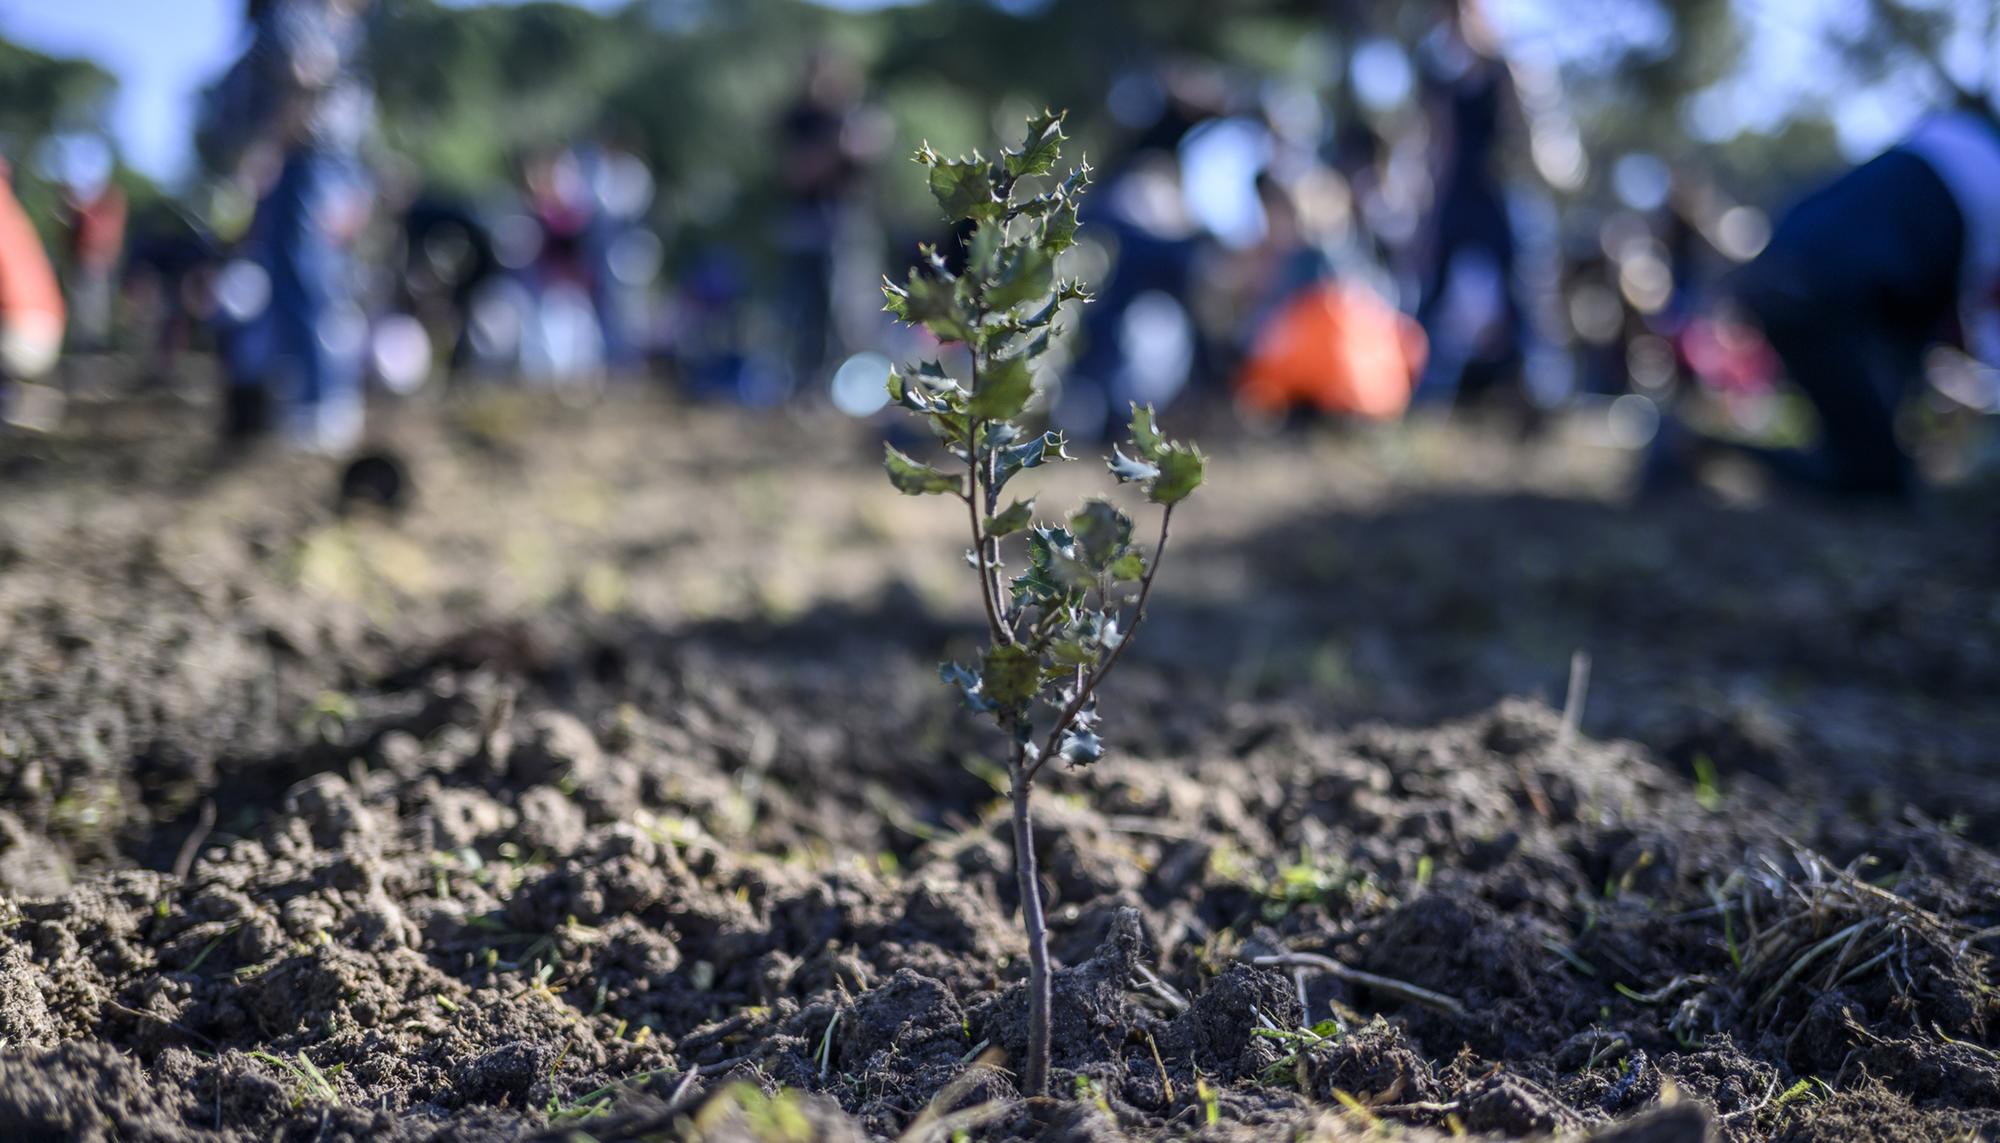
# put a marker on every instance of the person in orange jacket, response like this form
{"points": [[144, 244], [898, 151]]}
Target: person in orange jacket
{"points": [[31, 305]]}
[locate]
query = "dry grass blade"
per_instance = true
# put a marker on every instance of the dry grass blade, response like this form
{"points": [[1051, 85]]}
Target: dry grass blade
{"points": [[1437, 1001]]}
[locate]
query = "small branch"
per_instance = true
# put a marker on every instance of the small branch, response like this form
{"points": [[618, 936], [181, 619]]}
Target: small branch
{"points": [[142, 1014], [1409, 992], [1162, 989], [1573, 700], [988, 589], [1089, 685], [184, 862]]}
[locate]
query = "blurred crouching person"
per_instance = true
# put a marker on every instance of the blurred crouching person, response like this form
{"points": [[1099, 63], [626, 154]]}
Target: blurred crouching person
{"points": [[290, 118], [31, 311], [1865, 274]]}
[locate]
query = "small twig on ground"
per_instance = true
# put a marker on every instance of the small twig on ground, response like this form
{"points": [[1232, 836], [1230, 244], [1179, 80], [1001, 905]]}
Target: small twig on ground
{"points": [[1420, 1108], [1401, 989], [184, 862], [1579, 690], [1572, 718], [1770, 1093], [1162, 989], [703, 1037], [142, 1014]]}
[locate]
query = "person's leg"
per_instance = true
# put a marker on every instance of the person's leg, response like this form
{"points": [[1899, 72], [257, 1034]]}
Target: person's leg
{"points": [[317, 324]]}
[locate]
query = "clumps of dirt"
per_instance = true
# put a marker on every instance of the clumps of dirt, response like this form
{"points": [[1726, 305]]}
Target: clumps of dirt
{"points": [[467, 875]]}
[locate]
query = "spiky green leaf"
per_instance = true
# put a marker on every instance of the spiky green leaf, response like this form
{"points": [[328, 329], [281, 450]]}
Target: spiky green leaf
{"points": [[1031, 453], [1128, 568], [913, 477], [1027, 273], [964, 187], [1146, 438], [1011, 677], [1102, 533], [1128, 470], [1037, 154], [1012, 519], [1005, 387], [1080, 747], [1181, 471], [970, 686]]}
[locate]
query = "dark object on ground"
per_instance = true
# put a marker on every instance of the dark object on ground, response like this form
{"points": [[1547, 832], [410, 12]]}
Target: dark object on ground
{"points": [[376, 479]]}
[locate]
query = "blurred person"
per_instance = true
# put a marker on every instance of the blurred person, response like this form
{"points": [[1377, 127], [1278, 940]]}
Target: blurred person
{"points": [[169, 279], [828, 137], [94, 217], [624, 256], [447, 257], [564, 342], [1469, 305], [31, 307], [290, 119], [1140, 338], [1317, 343], [1862, 276]]}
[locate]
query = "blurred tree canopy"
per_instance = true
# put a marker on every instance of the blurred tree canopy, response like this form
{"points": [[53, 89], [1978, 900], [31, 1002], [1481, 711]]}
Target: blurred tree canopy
{"points": [[40, 97], [467, 93]]}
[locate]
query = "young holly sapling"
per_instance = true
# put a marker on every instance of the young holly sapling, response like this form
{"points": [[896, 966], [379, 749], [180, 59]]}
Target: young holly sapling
{"points": [[1055, 630]]}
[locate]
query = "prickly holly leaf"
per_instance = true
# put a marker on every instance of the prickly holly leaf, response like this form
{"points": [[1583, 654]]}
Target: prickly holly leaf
{"points": [[1102, 532], [1027, 273], [1013, 519], [1004, 389], [1108, 637], [1180, 474], [925, 391], [1035, 588], [932, 302], [1044, 316], [1128, 470], [1129, 568], [1056, 551], [913, 477], [998, 434], [963, 187], [1069, 654], [1037, 345], [1080, 747], [1032, 453], [1012, 676], [1059, 228], [1146, 438], [969, 687], [1037, 155], [951, 428], [982, 251]]}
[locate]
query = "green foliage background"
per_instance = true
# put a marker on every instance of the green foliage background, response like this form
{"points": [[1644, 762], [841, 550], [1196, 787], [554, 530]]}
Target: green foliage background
{"points": [[465, 91]]}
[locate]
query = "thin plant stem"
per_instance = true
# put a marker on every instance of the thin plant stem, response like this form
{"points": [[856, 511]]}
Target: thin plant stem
{"points": [[1035, 1076]]}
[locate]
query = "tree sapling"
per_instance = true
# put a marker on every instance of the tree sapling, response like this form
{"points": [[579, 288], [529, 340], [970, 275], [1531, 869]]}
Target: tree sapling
{"points": [[1055, 630]]}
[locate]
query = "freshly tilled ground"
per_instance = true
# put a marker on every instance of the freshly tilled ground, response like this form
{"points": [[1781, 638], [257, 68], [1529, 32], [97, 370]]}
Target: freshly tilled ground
{"points": [[609, 790]]}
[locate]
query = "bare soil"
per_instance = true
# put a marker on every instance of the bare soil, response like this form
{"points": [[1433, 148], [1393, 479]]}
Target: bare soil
{"points": [[607, 791]]}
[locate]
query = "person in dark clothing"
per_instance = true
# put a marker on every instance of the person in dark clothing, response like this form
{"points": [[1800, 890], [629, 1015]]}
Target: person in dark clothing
{"points": [[826, 143], [1862, 276], [1469, 305]]}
